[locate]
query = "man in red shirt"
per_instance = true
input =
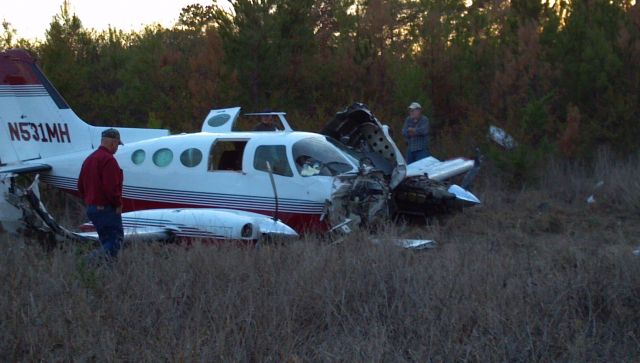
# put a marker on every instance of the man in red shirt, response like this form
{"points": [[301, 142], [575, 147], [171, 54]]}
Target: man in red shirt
{"points": [[100, 186]]}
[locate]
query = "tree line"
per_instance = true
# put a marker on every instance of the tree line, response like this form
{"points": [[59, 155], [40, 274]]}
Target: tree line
{"points": [[562, 77]]}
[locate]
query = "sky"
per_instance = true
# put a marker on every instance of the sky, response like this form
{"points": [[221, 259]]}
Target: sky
{"points": [[32, 17]]}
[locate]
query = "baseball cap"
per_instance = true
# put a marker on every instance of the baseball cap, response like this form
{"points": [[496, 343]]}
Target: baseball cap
{"points": [[414, 106], [112, 134]]}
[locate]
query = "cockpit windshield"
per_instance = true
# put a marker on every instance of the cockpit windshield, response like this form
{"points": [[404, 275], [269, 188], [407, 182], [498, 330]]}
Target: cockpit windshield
{"points": [[315, 156], [350, 153]]}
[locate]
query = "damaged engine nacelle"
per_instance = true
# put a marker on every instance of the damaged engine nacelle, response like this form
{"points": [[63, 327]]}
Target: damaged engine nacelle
{"points": [[359, 200], [423, 196], [384, 186]]}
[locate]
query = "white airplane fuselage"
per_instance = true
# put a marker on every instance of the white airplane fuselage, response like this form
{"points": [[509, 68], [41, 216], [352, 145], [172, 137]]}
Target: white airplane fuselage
{"points": [[176, 185], [219, 167]]}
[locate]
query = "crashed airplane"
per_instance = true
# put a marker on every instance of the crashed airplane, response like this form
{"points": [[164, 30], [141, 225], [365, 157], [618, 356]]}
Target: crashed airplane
{"points": [[218, 183]]}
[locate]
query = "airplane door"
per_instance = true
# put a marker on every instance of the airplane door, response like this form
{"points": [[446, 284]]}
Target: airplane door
{"points": [[228, 181], [289, 184]]}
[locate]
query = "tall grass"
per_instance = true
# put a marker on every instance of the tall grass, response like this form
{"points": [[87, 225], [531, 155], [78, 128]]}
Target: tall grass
{"points": [[531, 275]]}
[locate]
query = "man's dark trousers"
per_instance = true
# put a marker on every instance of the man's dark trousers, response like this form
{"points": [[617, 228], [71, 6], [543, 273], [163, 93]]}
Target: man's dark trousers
{"points": [[108, 224], [416, 155]]}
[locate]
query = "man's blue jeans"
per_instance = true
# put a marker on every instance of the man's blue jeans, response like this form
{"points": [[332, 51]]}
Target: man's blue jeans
{"points": [[416, 155], [108, 224]]}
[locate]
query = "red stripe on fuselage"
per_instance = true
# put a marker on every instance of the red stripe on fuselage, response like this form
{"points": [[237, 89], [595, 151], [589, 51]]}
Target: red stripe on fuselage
{"points": [[302, 223]]}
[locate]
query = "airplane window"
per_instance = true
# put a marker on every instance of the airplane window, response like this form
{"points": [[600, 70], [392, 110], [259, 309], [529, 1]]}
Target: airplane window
{"points": [[218, 120], [191, 157], [226, 155], [162, 157], [138, 156], [315, 156], [276, 155]]}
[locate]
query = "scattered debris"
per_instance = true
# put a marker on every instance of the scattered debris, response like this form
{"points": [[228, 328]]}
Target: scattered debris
{"points": [[417, 244], [592, 199], [410, 243], [502, 138]]}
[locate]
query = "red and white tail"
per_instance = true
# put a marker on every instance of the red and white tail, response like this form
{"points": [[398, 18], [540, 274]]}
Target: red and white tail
{"points": [[36, 122]]}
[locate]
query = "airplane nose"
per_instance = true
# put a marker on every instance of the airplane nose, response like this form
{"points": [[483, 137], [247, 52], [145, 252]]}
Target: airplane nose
{"points": [[463, 194], [272, 227]]}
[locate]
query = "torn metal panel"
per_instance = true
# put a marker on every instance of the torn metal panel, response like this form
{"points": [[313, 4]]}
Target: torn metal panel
{"points": [[32, 196], [22, 213], [363, 136]]}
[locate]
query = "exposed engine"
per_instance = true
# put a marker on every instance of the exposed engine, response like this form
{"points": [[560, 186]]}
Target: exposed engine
{"points": [[383, 185], [359, 200], [423, 196]]}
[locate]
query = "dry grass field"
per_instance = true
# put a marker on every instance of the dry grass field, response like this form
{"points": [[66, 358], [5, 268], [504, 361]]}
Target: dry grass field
{"points": [[536, 274]]}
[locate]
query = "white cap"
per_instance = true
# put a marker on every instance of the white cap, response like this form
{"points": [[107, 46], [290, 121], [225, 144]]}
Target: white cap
{"points": [[415, 106]]}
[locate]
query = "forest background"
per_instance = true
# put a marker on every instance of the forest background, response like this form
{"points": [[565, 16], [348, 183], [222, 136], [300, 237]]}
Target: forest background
{"points": [[562, 77]]}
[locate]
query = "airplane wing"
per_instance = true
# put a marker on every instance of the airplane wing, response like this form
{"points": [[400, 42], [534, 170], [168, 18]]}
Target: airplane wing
{"points": [[24, 168], [146, 234], [166, 224], [440, 170]]}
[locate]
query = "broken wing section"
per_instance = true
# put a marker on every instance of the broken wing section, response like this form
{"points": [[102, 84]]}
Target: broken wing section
{"points": [[22, 212], [440, 170]]}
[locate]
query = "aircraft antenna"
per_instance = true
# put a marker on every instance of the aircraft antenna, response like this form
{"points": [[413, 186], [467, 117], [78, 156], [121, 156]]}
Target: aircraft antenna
{"points": [[275, 191]]}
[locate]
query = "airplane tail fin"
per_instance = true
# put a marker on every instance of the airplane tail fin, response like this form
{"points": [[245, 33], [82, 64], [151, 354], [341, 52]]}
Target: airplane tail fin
{"points": [[36, 122]]}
